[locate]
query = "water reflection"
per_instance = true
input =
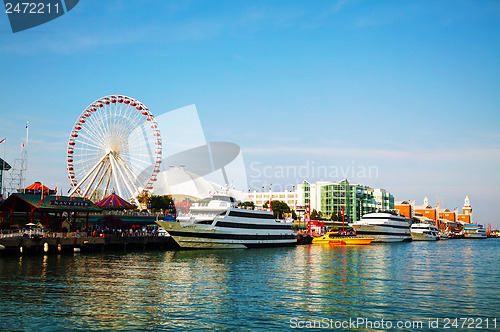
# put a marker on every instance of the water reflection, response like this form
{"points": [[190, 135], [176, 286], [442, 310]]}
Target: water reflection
{"points": [[250, 289]]}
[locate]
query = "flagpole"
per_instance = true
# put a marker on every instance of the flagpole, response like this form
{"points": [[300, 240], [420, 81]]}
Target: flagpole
{"points": [[26, 151], [22, 168], [3, 167]]}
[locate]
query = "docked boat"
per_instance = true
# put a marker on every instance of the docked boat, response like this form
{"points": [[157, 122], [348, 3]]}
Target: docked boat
{"points": [[474, 231], [384, 227], [333, 238], [221, 224], [424, 232], [443, 236]]}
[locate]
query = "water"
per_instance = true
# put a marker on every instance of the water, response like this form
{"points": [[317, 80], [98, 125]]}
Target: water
{"points": [[254, 289]]}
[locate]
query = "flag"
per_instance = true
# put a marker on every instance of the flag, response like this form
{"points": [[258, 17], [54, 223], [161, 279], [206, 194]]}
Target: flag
{"points": [[27, 124], [2, 140], [22, 144]]}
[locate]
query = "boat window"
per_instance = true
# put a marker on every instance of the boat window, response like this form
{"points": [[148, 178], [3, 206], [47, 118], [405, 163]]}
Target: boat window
{"points": [[222, 198], [244, 214]]}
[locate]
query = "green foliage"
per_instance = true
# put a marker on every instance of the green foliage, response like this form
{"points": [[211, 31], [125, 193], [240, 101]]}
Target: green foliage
{"points": [[247, 204], [336, 216], [160, 203], [314, 215], [280, 208]]}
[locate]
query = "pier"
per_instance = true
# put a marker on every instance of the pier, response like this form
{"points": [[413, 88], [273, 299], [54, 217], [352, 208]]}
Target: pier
{"points": [[48, 245]]}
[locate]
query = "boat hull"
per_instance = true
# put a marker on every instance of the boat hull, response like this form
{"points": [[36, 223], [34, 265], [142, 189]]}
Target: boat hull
{"points": [[475, 236], [474, 232], [347, 241], [416, 236], [189, 236], [382, 233]]}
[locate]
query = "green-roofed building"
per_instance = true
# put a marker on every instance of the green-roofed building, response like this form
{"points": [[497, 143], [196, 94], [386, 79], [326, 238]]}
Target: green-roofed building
{"points": [[44, 208]]}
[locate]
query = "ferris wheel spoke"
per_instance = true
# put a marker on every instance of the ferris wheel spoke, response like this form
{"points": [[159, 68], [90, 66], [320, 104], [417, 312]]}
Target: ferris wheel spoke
{"points": [[89, 135], [101, 178], [128, 130], [108, 180], [99, 125], [107, 118], [133, 122], [92, 127], [86, 176], [126, 179], [90, 144], [94, 154], [115, 177], [124, 118], [91, 182], [131, 172], [147, 143], [138, 166]]}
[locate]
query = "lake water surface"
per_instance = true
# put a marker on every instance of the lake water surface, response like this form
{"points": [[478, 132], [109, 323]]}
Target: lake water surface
{"points": [[258, 289]]}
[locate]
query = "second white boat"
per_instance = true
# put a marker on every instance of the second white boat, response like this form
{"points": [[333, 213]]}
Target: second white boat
{"points": [[384, 227], [424, 232]]}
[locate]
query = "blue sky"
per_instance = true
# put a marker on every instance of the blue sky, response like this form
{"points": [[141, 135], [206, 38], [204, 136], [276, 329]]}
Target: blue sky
{"points": [[411, 88]]}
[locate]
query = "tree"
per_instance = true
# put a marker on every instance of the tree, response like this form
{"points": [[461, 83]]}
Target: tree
{"points": [[314, 214], [279, 208], [247, 204], [333, 217], [161, 203], [336, 216]]}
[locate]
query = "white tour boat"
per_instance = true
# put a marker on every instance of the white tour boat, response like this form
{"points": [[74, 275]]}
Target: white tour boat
{"points": [[443, 236], [424, 232], [384, 227], [221, 224], [474, 231]]}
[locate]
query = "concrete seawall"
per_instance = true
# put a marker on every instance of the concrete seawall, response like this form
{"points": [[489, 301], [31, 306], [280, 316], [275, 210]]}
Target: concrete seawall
{"points": [[21, 246]]}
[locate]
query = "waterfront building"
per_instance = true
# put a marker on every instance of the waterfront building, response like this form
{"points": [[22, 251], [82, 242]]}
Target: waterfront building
{"points": [[404, 208], [355, 199], [384, 199], [426, 210], [48, 210], [443, 217], [259, 198], [466, 216], [447, 215]]}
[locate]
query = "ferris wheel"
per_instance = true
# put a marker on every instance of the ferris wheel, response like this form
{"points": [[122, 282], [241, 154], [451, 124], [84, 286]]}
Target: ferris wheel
{"points": [[115, 144]]}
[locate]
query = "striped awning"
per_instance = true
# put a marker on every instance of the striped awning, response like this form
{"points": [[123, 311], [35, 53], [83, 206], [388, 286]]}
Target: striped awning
{"points": [[37, 186], [113, 201]]}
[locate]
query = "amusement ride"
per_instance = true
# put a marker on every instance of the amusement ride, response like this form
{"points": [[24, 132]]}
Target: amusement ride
{"points": [[114, 145]]}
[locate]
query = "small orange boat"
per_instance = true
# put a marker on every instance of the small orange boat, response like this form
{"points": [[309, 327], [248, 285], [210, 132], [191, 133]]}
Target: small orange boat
{"points": [[333, 238]]}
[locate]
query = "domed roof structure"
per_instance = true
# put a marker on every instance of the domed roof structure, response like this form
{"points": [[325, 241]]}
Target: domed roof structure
{"points": [[178, 181]]}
